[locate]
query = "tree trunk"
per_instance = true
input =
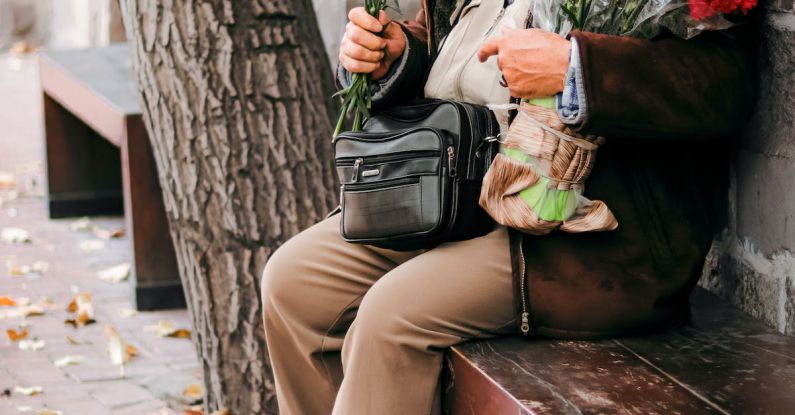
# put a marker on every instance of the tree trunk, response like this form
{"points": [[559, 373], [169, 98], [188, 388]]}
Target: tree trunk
{"points": [[235, 95]]}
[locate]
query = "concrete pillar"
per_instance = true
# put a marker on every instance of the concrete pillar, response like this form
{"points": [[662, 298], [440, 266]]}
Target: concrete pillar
{"points": [[753, 266]]}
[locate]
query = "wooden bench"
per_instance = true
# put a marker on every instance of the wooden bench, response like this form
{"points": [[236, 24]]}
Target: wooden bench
{"points": [[99, 161], [724, 362]]}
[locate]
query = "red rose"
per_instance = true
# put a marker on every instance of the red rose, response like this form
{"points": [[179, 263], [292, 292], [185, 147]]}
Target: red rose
{"points": [[703, 9]]}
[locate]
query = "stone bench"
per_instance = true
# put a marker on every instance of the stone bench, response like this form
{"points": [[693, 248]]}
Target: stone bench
{"points": [[99, 161], [723, 362]]}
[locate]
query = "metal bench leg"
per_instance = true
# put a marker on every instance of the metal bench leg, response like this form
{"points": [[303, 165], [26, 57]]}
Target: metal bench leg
{"points": [[82, 168], [155, 275]]}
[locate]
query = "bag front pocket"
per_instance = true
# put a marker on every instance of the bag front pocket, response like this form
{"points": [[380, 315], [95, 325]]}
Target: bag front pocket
{"points": [[390, 209]]}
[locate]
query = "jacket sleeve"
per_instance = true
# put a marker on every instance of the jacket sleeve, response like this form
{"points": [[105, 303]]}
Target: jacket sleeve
{"points": [[406, 78], [664, 89]]}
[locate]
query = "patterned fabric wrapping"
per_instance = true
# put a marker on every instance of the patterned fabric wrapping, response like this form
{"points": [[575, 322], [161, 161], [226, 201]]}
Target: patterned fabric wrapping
{"points": [[536, 183]]}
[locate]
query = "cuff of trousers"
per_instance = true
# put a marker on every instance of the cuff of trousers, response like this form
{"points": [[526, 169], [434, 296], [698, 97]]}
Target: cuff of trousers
{"points": [[383, 86], [572, 103]]}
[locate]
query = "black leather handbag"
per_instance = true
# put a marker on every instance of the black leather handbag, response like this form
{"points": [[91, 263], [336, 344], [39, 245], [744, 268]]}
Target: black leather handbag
{"points": [[412, 178]]}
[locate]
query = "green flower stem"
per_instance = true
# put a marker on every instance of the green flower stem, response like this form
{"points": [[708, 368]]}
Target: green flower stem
{"points": [[358, 97]]}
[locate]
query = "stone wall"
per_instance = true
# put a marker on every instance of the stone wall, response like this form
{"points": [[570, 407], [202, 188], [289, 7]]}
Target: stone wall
{"points": [[753, 265]]}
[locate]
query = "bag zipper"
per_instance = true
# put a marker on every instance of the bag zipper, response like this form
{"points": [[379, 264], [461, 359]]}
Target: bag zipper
{"points": [[405, 156], [357, 187]]}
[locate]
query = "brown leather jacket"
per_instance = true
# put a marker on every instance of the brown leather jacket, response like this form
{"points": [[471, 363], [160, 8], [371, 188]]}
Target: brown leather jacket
{"points": [[668, 107]]}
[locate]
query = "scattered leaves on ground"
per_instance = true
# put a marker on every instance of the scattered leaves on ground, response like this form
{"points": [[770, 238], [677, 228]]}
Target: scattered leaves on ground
{"points": [[75, 342], [82, 224], [16, 335], [198, 410], [83, 307], [193, 392], [31, 311], [7, 181], [116, 273], [127, 312], [87, 225], [6, 301], [15, 236], [69, 360], [166, 328], [8, 197], [29, 390], [119, 351], [37, 268], [31, 345], [92, 245], [106, 234]]}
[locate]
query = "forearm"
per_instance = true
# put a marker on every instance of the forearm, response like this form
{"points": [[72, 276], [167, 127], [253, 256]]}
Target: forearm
{"points": [[664, 89]]}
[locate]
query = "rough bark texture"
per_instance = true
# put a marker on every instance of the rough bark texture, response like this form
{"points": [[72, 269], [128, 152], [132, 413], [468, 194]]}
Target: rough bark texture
{"points": [[235, 95]]}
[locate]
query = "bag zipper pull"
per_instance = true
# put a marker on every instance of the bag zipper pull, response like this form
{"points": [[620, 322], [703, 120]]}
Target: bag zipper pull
{"points": [[356, 164], [451, 161]]}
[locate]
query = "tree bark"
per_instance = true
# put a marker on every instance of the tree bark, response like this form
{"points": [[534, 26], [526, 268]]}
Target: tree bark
{"points": [[235, 95]]}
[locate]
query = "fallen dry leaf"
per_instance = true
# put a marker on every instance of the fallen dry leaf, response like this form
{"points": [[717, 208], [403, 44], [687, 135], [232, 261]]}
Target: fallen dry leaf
{"points": [[38, 267], [82, 224], [106, 234], [69, 360], [7, 181], [198, 410], [29, 390], [193, 410], [15, 236], [6, 301], [75, 342], [166, 328], [193, 392], [127, 312], [82, 305], [119, 351], [47, 411], [116, 273], [15, 335], [92, 245], [31, 345], [31, 311]]}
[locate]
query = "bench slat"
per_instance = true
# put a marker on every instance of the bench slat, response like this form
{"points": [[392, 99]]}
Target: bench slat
{"points": [[724, 362]]}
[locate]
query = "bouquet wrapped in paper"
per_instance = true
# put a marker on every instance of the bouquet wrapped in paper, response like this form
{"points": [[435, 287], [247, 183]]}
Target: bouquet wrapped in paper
{"points": [[537, 181]]}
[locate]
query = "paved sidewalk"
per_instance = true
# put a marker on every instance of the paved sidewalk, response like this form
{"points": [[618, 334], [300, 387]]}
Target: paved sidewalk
{"points": [[155, 379]]}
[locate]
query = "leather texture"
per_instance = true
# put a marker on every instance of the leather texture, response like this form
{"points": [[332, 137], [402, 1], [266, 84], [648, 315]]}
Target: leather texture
{"points": [[411, 180], [669, 108]]}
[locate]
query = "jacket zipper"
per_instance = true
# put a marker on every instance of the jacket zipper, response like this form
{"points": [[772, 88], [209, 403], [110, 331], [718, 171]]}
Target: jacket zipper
{"points": [[525, 326], [458, 87]]}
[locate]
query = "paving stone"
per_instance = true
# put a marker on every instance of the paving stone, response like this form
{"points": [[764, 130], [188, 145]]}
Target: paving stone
{"points": [[152, 407], [93, 370], [116, 395], [84, 407], [71, 389]]}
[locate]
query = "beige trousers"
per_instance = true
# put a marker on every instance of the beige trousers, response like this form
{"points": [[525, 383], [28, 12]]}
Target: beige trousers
{"points": [[358, 330]]}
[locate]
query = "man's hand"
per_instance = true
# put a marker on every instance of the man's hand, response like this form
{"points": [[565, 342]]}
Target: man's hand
{"points": [[370, 45], [534, 62]]}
